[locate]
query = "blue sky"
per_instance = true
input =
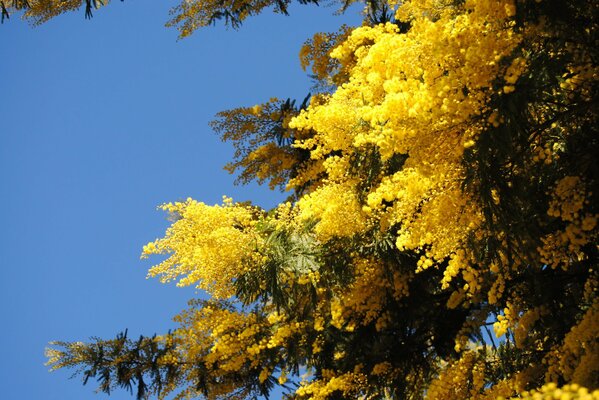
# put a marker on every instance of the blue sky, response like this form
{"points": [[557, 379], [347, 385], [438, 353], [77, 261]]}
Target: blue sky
{"points": [[100, 122]]}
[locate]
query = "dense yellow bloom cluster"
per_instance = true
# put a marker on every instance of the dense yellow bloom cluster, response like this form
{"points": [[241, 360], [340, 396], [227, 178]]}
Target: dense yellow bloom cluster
{"points": [[410, 93], [577, 359], [364, 300], [525, 324], [229, 341], [349, 384], [569, 199], [568, 204], [566, 392], [507, 320], [461, 380], [337, 209], [219, 336], [209, 246]]}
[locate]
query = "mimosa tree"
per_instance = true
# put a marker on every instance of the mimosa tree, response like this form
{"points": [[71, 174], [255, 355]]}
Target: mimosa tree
{"points": [[440, 237]]}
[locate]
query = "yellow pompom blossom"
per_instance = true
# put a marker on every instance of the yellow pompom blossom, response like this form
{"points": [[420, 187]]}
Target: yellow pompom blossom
{"points": [[209, 246], [506, 321]]}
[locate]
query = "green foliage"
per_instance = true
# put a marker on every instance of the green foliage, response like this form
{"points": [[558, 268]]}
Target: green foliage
{"points": [[119, 363]]}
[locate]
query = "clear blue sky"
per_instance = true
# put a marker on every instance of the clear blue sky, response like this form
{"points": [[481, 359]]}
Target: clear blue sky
{"points": [[100, 122]]}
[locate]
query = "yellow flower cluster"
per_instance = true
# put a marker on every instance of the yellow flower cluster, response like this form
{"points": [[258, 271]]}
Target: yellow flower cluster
{"points": [[507, 320], [219, 336], [568, 203], [364, 300], [410, 93], [349, 384], [569, 199], [577, 359], [209, 246], [580, 77], [456, 380], [337, 209], [58, 358], [551, 391], [230, 341], [525, 323]]}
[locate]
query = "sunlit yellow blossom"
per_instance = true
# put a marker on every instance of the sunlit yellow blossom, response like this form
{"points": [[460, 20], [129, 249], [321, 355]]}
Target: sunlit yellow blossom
{"points": [[208, 245]]}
